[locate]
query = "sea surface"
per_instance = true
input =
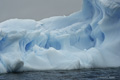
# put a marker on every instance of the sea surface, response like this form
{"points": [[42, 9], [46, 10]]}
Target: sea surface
{"points": [[82, 74]]}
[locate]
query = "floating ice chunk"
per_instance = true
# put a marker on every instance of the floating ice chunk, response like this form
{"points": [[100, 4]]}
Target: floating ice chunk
{"points": [[85, 39]]}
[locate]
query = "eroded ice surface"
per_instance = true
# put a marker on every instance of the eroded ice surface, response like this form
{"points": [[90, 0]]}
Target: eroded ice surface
{"points": [[85, 39]]}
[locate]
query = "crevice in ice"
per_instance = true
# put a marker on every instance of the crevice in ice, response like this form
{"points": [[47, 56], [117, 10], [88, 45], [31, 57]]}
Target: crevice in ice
{"points": [[54, 44], [3, 43], [28, 46]]}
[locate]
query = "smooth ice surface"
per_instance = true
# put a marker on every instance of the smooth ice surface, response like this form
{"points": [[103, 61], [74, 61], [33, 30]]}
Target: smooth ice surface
{"points": [[85, 39]]}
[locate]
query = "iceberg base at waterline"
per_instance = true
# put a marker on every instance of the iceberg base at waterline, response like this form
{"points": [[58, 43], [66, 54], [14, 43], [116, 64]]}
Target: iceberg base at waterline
{"points": [[85, 39]]}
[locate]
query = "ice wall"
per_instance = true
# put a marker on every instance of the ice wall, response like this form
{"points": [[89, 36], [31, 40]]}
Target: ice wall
{"points": [[85, 39]]}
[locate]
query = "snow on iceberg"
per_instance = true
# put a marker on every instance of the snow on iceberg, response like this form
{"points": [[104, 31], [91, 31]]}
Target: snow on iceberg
{"points": [[85, 39]]}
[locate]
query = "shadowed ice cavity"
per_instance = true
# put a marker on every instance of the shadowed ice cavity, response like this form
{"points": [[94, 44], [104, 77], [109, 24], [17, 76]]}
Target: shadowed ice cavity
{"points": [[42, 40], [81, 38]]}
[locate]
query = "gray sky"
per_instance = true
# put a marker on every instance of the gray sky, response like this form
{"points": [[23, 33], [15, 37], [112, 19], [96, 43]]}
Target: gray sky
{"points": [[37, 9]]}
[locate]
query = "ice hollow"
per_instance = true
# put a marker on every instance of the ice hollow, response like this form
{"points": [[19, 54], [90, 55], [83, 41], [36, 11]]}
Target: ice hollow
{"points": [[85, 39]]}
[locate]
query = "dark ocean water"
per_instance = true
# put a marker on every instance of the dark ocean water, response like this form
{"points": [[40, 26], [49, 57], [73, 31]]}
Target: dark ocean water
{"points": [[82, 74]]}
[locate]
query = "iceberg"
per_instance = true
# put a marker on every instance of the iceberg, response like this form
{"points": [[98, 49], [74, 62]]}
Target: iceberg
{"points": [[85, 39]]}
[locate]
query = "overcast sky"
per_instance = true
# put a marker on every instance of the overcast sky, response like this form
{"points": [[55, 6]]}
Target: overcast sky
{"points": [[37, 9]]}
